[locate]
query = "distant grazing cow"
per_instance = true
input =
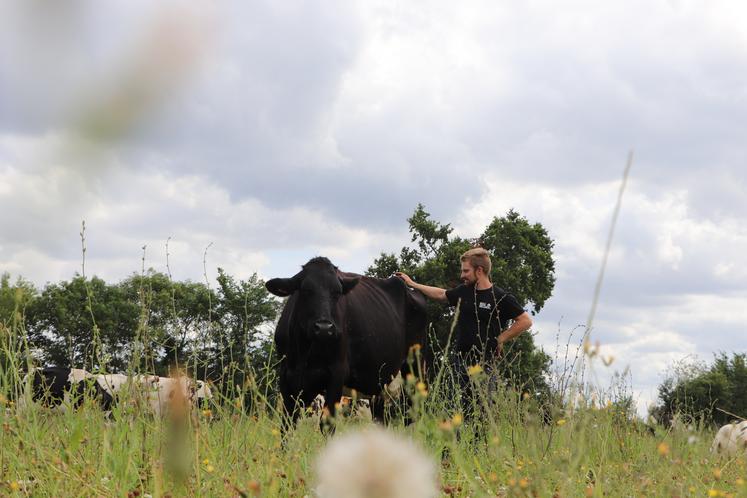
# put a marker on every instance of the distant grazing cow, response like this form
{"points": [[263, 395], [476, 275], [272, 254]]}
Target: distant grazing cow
{"points": [[731, 440], [60, 388], [160, 394], [341, 329]]}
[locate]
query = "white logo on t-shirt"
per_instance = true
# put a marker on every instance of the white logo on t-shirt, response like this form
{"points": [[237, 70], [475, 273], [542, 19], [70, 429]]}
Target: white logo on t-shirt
{"points": [[485, 306]]}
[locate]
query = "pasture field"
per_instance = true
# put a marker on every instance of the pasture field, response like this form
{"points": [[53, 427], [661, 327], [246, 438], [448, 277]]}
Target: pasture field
{"points": [[228, 450]]}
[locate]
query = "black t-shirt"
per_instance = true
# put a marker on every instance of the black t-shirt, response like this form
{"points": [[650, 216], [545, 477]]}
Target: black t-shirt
{"points": [[478, 308]]}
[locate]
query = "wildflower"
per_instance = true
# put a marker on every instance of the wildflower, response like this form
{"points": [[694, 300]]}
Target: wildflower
{"points": [[526, 396], [663, 449], [493, 477], [717, 474], [209, 469], [561, 422], [714, 492], [523, 483], [445, 425], [206, 462], [254, 487], [739, 481], [207, 413], [457, 419], [14, 486], [422, 388], [275, 432], [394, 467], [474, 370]]}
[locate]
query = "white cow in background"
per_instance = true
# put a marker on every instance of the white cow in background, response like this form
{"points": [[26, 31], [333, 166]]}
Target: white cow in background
{"points": [[731, 440], [159, 394]]}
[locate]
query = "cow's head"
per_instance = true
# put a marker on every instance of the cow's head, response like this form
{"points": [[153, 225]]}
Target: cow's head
{"points": [[318, 287]]}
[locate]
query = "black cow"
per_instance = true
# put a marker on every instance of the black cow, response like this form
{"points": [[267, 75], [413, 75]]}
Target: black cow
{"points": [[341, 329], [58, 387]]}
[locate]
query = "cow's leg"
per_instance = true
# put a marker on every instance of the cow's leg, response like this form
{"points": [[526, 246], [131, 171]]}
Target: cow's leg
{"points": [[334, 393], [291, 397]]}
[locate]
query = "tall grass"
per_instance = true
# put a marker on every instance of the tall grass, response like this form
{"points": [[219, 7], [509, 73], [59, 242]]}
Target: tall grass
{"points": [[593, 449]]}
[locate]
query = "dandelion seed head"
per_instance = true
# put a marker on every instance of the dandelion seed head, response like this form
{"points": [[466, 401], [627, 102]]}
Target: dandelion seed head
{"points": [[374, 463]]}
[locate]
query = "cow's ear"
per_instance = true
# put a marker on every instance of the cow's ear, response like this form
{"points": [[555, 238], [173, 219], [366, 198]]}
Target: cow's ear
{"points": [[281, 286], [348, 283]]}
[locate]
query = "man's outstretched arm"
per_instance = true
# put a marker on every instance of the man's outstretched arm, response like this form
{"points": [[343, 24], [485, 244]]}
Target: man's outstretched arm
{"points": [[435, 293]]}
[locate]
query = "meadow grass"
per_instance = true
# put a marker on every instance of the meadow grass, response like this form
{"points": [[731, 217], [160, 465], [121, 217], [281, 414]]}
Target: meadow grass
{"points": [[227, 450]]}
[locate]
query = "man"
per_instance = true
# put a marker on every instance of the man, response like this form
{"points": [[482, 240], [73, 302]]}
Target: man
{"points": [[485, 311]]}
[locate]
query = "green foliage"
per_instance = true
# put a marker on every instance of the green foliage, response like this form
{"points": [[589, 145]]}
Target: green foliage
{"points": [[82, 323], [150, 323], [521, 255], [699, 392], [14, 298]]}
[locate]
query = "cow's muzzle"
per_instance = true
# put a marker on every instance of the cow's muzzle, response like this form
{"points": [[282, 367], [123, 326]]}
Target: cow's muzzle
{"points": [[324, 329]]}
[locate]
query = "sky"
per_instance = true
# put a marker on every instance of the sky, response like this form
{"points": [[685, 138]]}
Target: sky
{"points": [[253, 136]]}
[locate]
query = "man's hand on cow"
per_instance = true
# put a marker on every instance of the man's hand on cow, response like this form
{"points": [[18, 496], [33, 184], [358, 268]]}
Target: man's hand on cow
{"points": [[408, 281]]}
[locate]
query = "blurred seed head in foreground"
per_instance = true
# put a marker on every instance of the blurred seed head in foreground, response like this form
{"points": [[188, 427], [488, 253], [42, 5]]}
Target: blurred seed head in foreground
{"points": [[374, 463]]}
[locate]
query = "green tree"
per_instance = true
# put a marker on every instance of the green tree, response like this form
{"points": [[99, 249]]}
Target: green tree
{"points": [[239, 334], [701, 392], [172, 316], [521, 255], [83, 323], [14, 299]]}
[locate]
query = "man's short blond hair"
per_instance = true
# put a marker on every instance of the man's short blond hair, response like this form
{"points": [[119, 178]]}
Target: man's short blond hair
{"points": [[478, 258]]}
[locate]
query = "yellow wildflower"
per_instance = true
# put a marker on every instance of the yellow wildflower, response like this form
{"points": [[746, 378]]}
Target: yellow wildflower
{"points": [[717, 474], [740, 481], [209, 469], [474, 370], [14, 486], [457, 419], [663, 449], [422, 388], [714, 492], [275, 432], [562, 421]]}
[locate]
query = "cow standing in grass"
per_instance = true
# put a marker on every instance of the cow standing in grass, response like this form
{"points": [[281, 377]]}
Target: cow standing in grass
{"points": [[731, 440], [159, 394], [341, 329], [61, 388]]}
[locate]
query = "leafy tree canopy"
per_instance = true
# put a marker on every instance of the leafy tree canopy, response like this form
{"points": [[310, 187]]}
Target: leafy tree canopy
{"points": [[705, 392]]}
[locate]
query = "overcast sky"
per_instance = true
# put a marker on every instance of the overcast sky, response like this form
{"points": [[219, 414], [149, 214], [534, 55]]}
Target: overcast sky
{"points": [[281, 131]]}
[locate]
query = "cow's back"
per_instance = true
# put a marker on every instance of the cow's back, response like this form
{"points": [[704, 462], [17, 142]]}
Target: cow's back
{"points": [[383, 319]]}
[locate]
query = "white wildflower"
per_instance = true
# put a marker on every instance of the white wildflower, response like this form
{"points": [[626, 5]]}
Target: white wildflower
{"points": [[374, 463]]}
